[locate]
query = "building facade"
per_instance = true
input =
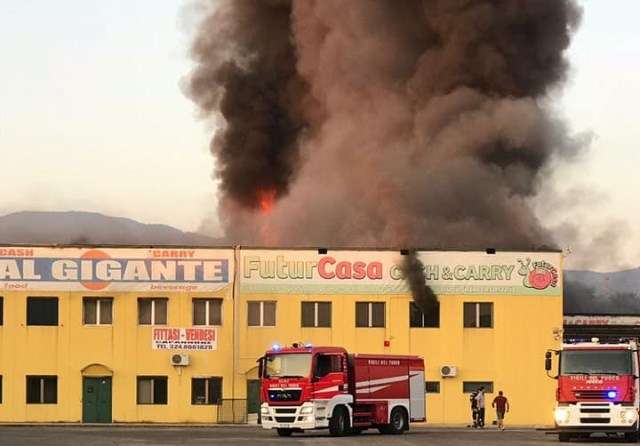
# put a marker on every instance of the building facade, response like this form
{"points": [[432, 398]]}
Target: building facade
{"points": [[139, 334]]}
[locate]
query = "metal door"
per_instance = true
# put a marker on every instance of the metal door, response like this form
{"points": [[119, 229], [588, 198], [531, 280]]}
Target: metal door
{"points": [[96, 400], [253, 396]]}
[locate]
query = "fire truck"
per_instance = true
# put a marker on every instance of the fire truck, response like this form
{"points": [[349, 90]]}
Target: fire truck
{"points": [[598, 389], [306, 387]]}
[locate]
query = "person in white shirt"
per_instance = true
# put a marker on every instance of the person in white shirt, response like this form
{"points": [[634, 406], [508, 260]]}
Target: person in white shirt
{"points": [[480, 400]]}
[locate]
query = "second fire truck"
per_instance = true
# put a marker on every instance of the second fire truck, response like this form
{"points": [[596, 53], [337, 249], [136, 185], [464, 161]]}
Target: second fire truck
{"points": [[598, 389]]}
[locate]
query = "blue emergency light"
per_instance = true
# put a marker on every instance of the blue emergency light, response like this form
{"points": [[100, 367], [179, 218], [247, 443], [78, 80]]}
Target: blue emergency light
{"points": [[612, 394], [275, 347]]}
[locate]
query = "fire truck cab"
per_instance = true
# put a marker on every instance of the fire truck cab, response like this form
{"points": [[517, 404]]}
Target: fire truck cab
{"points": [[306, 387], [598, 389]]}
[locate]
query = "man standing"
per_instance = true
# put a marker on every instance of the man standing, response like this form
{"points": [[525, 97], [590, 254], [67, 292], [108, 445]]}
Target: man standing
{"points": [[480, 400], [501, 403]]}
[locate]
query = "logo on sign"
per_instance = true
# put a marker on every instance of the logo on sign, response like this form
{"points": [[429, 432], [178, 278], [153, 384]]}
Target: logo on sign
{"points": [[538, 274]]}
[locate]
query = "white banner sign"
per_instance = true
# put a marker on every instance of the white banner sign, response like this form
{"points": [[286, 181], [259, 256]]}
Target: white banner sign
{"points": [[380, 272], [196, 338], [601, 320], [114, 269]]}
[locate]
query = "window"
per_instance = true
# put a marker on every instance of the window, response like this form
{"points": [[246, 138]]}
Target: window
{"points": [[316, 314], [478, 315], [97, 311], [207, 311], [152, 389], [326, 364], [206, 390], [262, 314], [42, 311], [152, 311], [370, 314], [418, 319], [432, 387], [42, 389], [473, 386], [1, 311]]}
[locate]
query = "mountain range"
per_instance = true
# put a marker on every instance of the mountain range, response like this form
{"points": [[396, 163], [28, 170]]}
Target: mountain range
{"points": [[585, 292]]}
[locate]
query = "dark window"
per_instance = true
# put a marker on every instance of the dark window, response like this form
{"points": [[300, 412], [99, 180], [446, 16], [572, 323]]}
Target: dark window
{"points": [[206, 390], [42, 311], [478, 315], [1, 311], [152, 390], [262, 314], [432, 387], [42, 389], [316, 314], [418, 319], [207, 311], [473, 386], [152, 311], [370, 314], [97, 311]]}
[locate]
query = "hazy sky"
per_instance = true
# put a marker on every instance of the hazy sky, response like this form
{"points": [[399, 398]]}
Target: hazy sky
{"points": [[92, 118]]}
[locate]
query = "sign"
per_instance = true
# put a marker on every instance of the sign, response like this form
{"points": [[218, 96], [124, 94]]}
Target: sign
{"points": [[195, 338], [602, 320], [114, 269], [379, 272]]}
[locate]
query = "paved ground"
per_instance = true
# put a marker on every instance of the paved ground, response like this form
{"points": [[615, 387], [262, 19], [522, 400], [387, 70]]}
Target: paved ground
{"points": [[39, 435]]}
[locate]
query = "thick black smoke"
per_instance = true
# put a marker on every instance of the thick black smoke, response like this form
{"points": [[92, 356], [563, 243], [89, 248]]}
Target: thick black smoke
{"points": [[384, 122], [423, 295]]}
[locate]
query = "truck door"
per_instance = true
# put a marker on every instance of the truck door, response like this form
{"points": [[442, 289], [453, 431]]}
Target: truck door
{"points": [[329, 375]]}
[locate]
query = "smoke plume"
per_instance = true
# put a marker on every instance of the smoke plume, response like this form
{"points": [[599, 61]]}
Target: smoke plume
{"points": [[383, 122]]}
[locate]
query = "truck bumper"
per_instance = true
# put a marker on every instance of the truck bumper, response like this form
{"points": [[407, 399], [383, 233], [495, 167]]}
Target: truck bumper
{"points": [[304, 417], [595, 417]]}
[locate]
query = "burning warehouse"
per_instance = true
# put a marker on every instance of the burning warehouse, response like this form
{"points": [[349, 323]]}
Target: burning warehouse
{"points": [[132, 334], [361, 124]]}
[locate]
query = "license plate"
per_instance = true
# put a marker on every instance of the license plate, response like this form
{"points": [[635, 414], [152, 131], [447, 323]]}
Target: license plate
{"points": [[285, 426]]}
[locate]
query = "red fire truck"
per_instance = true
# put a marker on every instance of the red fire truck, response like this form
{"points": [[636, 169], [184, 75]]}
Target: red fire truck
{"points": [[598, 389], [306, 387]]}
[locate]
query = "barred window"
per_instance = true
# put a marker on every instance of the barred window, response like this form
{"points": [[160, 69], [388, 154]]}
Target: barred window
{"points": [[152, 311], [316, 314], [97, 311], [152, 390], [418, 319], [261, 314], [42, 389], [206, 390], [207, 312], [370, 314], [42, 311], [478, 315]]}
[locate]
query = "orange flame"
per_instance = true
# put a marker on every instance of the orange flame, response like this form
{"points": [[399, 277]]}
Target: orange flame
{"points": [[267, 199]]}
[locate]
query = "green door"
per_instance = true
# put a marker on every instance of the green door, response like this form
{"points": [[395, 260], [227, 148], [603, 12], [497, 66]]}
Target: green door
{"points": [[96, 400], [253, 396]]}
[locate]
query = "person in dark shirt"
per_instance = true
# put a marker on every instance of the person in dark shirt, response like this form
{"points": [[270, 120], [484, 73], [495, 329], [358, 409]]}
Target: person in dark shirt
{"points": [[501, 403], [474, 408]]}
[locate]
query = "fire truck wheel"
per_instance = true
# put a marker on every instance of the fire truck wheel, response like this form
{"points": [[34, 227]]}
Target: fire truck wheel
{"points": [[284, 432], [339, 422], [631, 437], [398, 421], [564, 437]]}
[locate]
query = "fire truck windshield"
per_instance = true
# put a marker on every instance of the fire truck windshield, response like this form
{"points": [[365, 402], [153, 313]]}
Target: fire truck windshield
{"points": [[595, 362], [287, 365]]}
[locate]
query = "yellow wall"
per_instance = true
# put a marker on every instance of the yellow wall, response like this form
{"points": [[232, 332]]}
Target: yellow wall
{"points": [[124, 348], [510, 354]]}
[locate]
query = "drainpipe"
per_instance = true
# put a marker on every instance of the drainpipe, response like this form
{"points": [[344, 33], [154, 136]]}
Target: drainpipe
{"points": [[236, 316]]}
